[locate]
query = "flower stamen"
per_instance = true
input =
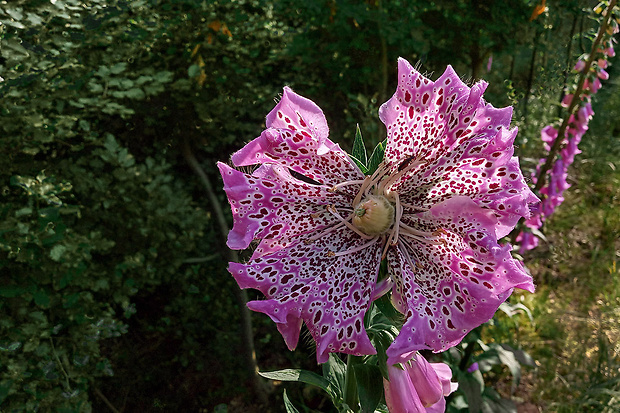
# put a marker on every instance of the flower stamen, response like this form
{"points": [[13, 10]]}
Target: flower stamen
{"points": [[345, 183], [333, 210]]}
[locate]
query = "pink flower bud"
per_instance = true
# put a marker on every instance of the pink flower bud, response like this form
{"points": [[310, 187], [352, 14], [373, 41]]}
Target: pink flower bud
{"points": [[567, 99], [418, 387], [602, 63], [474, 366], [580, 65], [603, 74]]}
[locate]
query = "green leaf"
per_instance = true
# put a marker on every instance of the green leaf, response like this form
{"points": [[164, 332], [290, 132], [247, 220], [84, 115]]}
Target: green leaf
{"points": [[299, 375], [472, 386], [508, 359], [135, 93], [369, 386], [387, 309], [118, 68], [521, 356], [11, 346], [359, 150], [70, 300], [163, 77], [193, 71], [335, 372], [5, 387], [493, 403], [41, 299], [11, 291], [377, 156], [290, 408], [57, 252]]}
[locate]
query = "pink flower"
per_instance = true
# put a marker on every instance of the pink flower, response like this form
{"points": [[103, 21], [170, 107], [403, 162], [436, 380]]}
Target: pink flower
{"points": [[603, 74], [419, 386], [567, 99], [580, 65], [609, 51], [602, 63], [548, 134], [447, 190], [527, 241], [474, 367], [596, 85]]}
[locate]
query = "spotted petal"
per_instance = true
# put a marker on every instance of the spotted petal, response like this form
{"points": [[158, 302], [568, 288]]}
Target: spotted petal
{"points": [[454, 280], [272, 204], [444, 140], [308, 281], [424, 119], [296, 138]]}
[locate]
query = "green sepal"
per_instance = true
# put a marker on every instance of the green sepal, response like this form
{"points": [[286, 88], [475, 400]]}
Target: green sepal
{"points": [[382, 340], [359, 164], [386, 307], [377, 157], [359, 150]]}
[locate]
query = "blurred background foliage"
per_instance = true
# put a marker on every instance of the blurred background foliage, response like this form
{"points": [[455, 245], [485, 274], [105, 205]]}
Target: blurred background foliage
{"points": [[114, 294]]}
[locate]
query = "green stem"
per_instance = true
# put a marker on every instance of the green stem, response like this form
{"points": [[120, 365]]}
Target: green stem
{"points": [[350, 385]]}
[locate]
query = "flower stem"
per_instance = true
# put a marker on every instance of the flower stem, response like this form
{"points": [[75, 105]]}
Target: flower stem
{"points": [[350, 384], [542, 174]]}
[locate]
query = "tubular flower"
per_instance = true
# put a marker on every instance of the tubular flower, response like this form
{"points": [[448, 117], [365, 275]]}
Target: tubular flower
{"points": [[418, 387], [447, 190]]}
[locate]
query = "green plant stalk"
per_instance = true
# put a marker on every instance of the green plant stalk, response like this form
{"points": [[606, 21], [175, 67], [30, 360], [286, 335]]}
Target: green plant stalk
{"points": [[542, 175], [350, 384]]}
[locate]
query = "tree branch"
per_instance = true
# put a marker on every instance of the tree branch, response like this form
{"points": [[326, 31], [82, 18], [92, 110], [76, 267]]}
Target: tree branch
{"points": [[241, 296]]}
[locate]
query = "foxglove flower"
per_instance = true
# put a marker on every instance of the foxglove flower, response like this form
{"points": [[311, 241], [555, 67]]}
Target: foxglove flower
{"points": [[418, 386], [447, 190]]}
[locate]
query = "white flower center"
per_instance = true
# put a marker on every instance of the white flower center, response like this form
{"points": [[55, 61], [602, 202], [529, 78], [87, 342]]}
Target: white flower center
{"points": [[374, 215]]}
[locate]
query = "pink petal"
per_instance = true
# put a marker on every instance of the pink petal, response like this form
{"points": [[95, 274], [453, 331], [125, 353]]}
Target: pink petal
{"points": [[424, 118], [445, 375], [296, 138], [400, 394], [279, 207], [456, 285], [329, 293], [439, 407], [426, 381], [448, 142]]}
